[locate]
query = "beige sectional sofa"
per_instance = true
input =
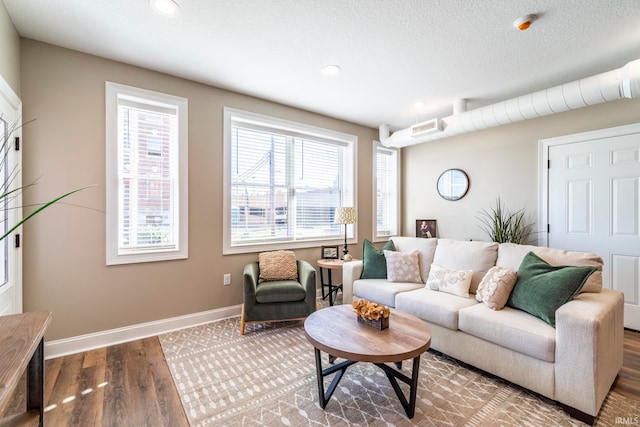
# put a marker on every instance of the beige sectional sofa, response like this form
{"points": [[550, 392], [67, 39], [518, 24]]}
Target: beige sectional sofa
{"points": [[574, 363]]}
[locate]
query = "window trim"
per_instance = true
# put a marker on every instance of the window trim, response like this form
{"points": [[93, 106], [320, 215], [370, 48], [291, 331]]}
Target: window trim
{"points": [[157, 100], [299, 130], [377, 237]]}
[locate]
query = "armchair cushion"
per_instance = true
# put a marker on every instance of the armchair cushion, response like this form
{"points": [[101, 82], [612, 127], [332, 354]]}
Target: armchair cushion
{"points": [[277, 265], [280, 291]]}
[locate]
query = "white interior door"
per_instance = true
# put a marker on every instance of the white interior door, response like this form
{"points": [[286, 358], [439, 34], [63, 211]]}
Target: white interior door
{"points": [[10, 205], [593, 199]]}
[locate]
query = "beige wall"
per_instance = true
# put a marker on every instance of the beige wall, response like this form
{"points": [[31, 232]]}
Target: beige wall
{"points": [[64, 248], [501, 162], [9, 51]]}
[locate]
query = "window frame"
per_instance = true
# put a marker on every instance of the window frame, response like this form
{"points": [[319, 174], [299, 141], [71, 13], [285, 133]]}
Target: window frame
{"points": [[377, 235], [153, 99], [302, 130]]}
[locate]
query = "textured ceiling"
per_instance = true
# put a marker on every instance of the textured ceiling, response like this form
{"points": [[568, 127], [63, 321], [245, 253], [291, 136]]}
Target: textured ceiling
{"points": [[392, 53]]}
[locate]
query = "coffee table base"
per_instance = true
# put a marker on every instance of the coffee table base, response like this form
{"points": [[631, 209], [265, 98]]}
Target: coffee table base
{"points": [[392, 374]]}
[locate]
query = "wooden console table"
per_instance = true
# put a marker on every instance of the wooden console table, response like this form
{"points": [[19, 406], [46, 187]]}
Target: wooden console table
{"points": [[22, 348]]}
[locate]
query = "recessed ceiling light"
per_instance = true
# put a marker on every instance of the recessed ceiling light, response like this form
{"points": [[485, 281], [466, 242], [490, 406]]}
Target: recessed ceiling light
{"points": [[331, 69], [420, 104], [166, 7]]}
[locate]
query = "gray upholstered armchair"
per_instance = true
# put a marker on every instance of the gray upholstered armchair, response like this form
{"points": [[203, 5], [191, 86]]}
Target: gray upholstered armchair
{"points": [[278, 300]]}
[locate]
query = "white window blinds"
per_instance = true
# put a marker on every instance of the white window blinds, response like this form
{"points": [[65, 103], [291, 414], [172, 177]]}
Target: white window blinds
{"points": [[285, 184], [147, 176], [386, 165]]}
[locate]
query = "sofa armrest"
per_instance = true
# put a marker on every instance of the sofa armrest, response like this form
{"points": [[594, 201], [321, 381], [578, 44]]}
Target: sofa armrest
{"points": [[589, 348], [351, 272]]}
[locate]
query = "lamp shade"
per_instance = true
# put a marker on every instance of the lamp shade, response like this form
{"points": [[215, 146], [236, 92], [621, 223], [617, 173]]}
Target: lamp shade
{"points": [[345, 216]]}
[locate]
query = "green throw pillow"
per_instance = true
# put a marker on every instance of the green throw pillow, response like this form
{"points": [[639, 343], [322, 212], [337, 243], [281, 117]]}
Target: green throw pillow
{"points": [[542, 288], [374, 263]]}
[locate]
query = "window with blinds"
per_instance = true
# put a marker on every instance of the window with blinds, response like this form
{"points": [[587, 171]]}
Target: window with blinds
{"points": [[387, 190], [284, 182], [147, 176]]}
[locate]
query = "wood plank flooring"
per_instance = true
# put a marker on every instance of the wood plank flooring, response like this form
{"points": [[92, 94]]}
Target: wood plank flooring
{"points": [[122, 385], [130, 385]]}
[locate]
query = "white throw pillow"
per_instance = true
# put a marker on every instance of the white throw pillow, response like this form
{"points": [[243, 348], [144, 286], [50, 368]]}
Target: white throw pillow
{"points": [[403, 266], [496, 286], [450, 280]]}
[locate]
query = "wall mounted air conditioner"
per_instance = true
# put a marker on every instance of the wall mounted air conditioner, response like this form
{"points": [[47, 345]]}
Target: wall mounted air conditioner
{"points": [[424, 128]]}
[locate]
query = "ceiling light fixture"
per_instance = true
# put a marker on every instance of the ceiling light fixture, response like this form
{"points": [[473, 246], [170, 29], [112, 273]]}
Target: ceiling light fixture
{"points": [[331, 70], [524, 22], [420, 104], [165, 7]]}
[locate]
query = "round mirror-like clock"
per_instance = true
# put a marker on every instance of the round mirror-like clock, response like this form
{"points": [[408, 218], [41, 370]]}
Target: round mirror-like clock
{"points": [[453, 184]]}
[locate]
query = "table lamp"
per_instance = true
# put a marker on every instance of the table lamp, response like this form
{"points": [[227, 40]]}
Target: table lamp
{"points": [[345, 216]]}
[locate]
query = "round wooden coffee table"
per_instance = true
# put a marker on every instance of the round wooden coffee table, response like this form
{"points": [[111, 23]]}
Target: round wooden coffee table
{"points": [[336, 331]]}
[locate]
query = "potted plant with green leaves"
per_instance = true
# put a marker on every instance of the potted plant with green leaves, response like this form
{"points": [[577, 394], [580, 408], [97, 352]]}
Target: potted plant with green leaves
{"points": [[505, 226]]}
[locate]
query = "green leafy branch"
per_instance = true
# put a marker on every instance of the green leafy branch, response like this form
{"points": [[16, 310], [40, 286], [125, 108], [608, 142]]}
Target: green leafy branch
{"points": [[7, 194]]}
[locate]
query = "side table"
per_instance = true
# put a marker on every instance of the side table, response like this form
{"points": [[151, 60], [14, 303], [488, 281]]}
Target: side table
{"points": [[326, 266]]}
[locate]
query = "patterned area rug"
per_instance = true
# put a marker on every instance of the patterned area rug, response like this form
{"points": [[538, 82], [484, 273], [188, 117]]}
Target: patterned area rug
{"points": [[267, 378]]}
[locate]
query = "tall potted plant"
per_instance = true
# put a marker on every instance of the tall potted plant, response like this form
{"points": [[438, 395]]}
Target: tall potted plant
{"points": [[504, 226]]}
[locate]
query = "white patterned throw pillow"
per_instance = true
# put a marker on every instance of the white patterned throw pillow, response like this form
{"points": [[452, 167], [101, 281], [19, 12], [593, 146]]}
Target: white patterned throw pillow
{"points": [[496, 286], [403, 266], [450, 280]]}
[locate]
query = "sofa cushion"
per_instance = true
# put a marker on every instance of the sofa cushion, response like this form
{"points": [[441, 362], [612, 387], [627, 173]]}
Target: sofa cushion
{"points": [[449, 280], [425, 247], [402, 266], [277, 265], [496, 286], [374, 263], [381, 290], [433, 306], [512, 329], [467, 255], [542, 288], [510, 255]]}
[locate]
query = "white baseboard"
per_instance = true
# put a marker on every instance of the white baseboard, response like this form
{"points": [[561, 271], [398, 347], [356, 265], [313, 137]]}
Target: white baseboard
{"points": [[87, 342]]}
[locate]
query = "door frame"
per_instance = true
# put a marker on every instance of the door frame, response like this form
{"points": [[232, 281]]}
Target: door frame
{"points": [[11, 110]]}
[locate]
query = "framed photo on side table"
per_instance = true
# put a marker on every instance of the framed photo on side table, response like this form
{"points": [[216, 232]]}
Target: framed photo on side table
{"points": [[426, 228], [329, 252]]}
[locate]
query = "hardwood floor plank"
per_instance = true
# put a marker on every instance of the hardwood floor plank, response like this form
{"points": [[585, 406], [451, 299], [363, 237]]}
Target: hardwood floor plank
{"points": [[64, 391], [168, 399], [140, 379], [628, 381], [116, 407]]}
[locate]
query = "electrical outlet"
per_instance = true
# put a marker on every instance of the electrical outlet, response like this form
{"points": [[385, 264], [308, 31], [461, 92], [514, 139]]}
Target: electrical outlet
{"points": [[227, 279]]}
